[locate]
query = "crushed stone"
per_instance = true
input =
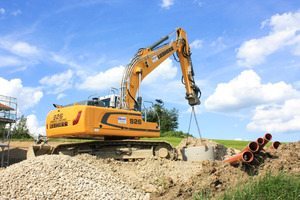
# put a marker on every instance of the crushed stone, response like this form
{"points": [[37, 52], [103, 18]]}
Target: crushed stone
{"points": [[61, 177]]}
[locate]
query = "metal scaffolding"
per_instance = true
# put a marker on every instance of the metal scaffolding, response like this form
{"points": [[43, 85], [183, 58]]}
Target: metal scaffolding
{"points": [[8, 116]]}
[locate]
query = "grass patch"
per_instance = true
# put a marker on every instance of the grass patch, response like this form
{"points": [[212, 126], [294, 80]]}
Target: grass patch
{"points": [[233, 143], [173, 140], [21, 140], [204, 194], [280, 186]]}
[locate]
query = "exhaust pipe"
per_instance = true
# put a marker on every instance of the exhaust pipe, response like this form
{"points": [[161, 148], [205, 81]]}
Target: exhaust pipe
{"points": [[252, 146], [266, 139], [244, 157], [275, 145]]}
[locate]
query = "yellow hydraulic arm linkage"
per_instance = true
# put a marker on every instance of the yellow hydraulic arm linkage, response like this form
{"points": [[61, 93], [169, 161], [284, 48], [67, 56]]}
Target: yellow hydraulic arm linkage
{"points": [[147, 59]]}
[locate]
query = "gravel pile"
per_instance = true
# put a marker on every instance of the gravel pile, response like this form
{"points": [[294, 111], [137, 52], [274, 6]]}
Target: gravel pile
{"points": [[149, 175], [61, 177]]}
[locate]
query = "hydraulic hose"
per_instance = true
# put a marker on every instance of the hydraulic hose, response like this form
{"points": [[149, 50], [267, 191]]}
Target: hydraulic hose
{"points": [[138, 107]]}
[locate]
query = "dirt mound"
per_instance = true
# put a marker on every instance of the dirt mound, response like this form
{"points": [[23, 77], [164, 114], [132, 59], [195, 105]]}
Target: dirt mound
{"points": [[213, 177], [216, 176], [221, 152], [286, 158]]}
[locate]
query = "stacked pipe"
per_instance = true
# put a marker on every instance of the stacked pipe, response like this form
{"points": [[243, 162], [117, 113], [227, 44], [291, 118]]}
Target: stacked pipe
{"points": [[247, 154], [266, 139], [275, 145]]}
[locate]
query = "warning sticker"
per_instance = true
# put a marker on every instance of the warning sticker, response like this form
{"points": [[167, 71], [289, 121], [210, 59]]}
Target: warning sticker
{"points": [[122, 120], [154, 58]]}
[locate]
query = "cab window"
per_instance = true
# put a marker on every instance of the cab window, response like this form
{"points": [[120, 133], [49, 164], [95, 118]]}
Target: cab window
{"points": [[106, 102]]}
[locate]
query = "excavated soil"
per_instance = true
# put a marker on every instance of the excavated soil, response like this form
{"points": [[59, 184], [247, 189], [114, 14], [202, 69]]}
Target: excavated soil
{"points": [[153, 178]]}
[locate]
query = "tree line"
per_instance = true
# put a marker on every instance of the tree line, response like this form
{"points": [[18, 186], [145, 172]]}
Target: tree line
{"points": [[168, 120], [19, 131]]}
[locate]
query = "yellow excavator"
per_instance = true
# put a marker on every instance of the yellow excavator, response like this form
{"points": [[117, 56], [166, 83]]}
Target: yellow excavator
{"points": [[115, 121]]}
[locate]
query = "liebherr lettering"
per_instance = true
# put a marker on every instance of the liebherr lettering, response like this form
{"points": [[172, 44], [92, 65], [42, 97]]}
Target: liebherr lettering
{"points": [[162, 54], [60, 124]]}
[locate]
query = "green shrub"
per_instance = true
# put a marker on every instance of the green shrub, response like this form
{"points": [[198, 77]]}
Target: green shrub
{"points": [[178, 134]]}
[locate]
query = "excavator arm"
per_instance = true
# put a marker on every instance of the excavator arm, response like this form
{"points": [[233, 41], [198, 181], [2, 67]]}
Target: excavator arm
{"points": [[147, 59]]}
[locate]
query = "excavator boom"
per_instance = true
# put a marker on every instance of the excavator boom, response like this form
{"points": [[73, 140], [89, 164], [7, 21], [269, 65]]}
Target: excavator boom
{"points": [[147, 59]]}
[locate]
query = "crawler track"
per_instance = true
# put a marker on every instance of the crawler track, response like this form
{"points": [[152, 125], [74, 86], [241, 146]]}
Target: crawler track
{"points": [[118, 149]]}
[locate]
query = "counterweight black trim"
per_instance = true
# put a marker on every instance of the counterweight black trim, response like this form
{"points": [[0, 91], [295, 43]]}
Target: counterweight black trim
{"points": [[107, 115]]}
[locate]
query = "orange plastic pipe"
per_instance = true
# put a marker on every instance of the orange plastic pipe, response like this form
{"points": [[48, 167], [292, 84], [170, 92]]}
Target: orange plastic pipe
{"points": [[246, 156], [266, 139], [252, 146], [259, 141], [275, 145]]}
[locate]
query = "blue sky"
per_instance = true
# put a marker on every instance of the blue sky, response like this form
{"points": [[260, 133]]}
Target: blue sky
{"points": [[245, 54]]}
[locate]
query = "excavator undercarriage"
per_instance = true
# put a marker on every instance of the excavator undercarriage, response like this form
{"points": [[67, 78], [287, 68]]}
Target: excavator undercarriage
{"points": [[118, 149]]}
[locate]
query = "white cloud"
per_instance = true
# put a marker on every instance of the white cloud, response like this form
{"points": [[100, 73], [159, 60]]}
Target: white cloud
{"points": [[58, 82], [23, 49], [27, 96], [197, 44], [219, 43], [167, 3], [246, 91], [7, 61], [18, 54], [28, 54], [276, 105], [64, 60], [164, 71], [103, 80], [297, 84], [196, 108], [284, 32], [61, 96], [16, 12], [33, 125], [200, 4], [277, 118], [20, 48], [2, 11], [238, 139]]}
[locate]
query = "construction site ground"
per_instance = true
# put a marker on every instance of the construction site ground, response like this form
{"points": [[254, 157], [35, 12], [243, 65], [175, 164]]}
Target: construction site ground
{"points": [[152, 178]]}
